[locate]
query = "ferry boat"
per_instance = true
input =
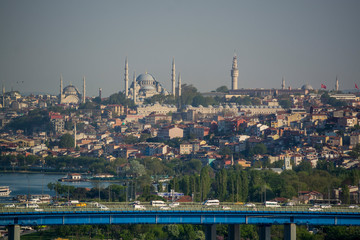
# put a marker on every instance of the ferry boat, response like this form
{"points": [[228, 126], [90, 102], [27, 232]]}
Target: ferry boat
{"points": [[72, 177], [4, 191]]}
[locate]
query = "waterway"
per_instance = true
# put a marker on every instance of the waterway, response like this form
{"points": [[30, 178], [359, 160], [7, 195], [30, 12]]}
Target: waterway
{"points": [[36, 183]]}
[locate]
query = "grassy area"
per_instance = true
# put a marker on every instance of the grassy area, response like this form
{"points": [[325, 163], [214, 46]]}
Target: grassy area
{"points": [[41, 235]]}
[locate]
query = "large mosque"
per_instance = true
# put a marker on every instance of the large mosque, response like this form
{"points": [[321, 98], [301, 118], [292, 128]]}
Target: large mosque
{"points": [[70, 94], [145, 85]]}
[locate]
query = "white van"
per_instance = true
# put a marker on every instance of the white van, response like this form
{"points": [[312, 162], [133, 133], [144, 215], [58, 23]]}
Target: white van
{"points": [[211, 202], [272, 204], [157, 203], [139, 207]]}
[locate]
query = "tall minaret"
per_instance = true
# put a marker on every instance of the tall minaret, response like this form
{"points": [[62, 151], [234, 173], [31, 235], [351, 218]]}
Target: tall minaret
{"points": [[283, 83], [61, 89], [173, 78], [337, 84], [84, 90], [100, 90], [234, 74], [3, 96], [179, 86], [134, 88], [126, 78], [75, 135]]}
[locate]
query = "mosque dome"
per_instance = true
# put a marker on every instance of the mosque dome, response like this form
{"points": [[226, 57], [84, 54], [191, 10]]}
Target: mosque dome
{"points": [[70, 90], [145, 79], [148, 88], [307, 87]]}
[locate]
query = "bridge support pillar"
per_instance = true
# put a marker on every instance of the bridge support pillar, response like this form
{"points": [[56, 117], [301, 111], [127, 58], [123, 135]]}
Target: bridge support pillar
{"points": [[210, 232], [234, 231], [290, 231], [265, 232], [14, 232]]}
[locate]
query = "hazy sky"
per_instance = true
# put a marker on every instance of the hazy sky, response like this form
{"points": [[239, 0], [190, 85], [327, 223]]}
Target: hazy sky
{"points": [[305, 41]]}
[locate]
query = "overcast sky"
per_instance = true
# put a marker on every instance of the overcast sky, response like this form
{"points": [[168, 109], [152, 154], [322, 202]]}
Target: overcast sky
{"points": [[305, 41]]}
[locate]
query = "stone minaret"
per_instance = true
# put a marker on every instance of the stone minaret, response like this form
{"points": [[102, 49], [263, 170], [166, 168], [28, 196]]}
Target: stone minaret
{"points": [[126, 78], [75, 135], [337, 84], [3, 96], [84, 91], [179, 86], [234, 74], [283, 83], [61, 89], [134, 88], [100, 93], [173, 78]]}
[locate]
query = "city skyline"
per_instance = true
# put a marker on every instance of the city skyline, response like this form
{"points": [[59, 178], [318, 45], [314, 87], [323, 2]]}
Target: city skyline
{"points": [[305, 42]]}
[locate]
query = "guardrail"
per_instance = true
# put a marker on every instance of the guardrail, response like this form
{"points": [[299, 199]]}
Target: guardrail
{"points": [[230, 207]]}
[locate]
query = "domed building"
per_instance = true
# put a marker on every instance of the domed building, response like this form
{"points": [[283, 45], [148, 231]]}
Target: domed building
{"points": [[70, 94], [307, 87], [145, 85]]}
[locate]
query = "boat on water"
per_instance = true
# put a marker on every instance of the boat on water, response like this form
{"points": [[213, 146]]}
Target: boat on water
{"points": [[4, 191], [73, 177]]}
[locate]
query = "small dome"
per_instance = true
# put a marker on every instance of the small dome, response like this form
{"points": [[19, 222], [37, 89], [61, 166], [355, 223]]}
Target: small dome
{"points": [[147, 88], [307, 87]]}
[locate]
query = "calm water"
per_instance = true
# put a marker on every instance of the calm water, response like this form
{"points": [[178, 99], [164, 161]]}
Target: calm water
{"points": [[29, 183]]}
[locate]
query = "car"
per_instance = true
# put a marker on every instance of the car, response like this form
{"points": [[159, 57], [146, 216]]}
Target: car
{"points": [[353, 206], [174, 204], [225, 208], [249, 205], [325, 206], [289, 204], [103, 207], [139, 207], [315, 209], [9, 205], [165, 208], [239, 203], [38, 209]]}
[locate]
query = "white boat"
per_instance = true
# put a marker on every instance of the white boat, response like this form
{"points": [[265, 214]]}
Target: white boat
{"points": [[4, 190]]}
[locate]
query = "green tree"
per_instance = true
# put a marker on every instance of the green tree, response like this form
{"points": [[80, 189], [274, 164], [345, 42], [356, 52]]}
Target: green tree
{"points": [[67, 141], [223, 89], [205, 182]]}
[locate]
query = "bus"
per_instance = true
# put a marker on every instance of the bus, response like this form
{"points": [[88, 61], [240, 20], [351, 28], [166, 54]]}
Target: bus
{"points": [[211, 202], [272, 204], [157, 203]]}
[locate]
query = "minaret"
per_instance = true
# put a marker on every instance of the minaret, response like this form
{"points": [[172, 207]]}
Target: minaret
{"points": [[234, 74], [84, 91], [100, 93], [337, 84], [126, 78], [3, 96], [179, 86], [283, 83], [61, 89], [134, 88], [75, 135], [173, 78]]}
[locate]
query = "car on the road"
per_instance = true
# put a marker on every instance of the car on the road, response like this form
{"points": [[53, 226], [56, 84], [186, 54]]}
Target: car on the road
{"points": [[165, 208], [315, 209], [174, 204], [139, 207], [353, 206], [325, 206], [225, 208], [250, 205], [11, 205]]}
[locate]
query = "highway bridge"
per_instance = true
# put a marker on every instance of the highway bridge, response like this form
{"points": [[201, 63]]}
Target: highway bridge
{"points": [[231, 214]]}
